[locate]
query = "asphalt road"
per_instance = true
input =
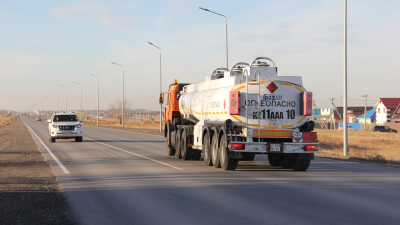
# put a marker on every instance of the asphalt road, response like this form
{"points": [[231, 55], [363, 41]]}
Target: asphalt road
{"points": [[119, 177]]}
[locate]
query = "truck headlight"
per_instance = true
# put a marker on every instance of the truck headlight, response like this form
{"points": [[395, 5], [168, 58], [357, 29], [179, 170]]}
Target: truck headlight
{"points": [[54, 126], [78, 126]]}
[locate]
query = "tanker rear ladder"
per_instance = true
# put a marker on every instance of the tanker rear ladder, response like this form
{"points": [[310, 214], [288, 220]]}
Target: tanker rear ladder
{"points": [[257, 73]]}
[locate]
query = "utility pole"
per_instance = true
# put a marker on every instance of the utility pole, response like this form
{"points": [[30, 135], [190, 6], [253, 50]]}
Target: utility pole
{"points": [[331, 115], [365, 112], [319, 111]]}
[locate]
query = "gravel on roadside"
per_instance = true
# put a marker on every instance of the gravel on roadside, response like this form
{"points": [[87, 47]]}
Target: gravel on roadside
{"points": [[29, 192]]}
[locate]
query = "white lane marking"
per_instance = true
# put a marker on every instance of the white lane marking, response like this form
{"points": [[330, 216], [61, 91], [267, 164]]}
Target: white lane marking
{"points": [[49, 151], [136, 154]]}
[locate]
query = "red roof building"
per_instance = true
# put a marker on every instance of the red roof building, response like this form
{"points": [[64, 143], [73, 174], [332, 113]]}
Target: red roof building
{"points": [[385, 107]]}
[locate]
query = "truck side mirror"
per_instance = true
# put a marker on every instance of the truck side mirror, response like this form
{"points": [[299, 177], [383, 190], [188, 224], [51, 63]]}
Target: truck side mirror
{"points": [[161, 100]]}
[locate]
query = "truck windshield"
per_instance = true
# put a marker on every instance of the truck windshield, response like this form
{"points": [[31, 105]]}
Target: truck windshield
{"points": [[65, 118]]}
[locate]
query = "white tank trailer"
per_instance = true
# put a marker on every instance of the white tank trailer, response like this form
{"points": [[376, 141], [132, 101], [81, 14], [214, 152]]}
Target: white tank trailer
{"points": [[238, 113]]}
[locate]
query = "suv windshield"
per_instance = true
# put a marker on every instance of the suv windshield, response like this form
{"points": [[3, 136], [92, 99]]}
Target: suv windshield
{"points": [[65, 118]]}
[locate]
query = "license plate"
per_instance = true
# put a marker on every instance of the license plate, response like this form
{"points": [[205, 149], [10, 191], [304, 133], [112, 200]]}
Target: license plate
{"points": [[275, 147], [67, 132]]}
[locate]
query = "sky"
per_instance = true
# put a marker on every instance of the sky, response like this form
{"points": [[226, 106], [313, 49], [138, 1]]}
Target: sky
{"points": [[48, 43]]}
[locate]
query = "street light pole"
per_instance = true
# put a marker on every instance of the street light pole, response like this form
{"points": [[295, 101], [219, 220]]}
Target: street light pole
{"points": [[226, 32], [65, 98], [160, 86], [345, 144], [81, 97], [123, 98], [98, 88], [58, 100]]}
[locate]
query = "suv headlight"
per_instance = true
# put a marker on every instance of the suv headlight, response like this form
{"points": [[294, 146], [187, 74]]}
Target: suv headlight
{"points": [[78, 126], [54, 126]]}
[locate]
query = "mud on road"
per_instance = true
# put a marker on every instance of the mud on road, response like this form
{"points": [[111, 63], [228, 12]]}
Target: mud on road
{"points": [[29, 192]]}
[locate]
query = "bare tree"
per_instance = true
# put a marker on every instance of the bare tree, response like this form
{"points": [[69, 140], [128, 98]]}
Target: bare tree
{"points": [[115, 109]]}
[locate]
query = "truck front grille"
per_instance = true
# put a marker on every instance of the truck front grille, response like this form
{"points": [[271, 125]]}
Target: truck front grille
{"points": [[66, 127]]}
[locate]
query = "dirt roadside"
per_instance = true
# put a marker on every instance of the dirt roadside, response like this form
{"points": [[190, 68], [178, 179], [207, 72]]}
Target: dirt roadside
{"points": [[29, 192]]}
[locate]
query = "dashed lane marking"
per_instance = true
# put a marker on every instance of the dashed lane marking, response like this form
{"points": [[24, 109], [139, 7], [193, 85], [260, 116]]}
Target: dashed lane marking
{"points": [[166, 164]]}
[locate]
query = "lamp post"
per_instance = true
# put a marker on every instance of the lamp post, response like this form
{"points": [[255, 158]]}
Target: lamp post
{"points": [[123, 99], [58, 100], [65, 97], [345, 145], [80, 117], [160, 85], [51, 101], [98, 88], [226, 32]]}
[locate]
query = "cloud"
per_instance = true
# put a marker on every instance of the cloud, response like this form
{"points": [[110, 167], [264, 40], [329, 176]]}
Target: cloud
{"points": [[99, 13]]}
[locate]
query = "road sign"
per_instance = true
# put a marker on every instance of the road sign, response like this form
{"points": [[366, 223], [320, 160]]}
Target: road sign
{"points": [[397, 111]]}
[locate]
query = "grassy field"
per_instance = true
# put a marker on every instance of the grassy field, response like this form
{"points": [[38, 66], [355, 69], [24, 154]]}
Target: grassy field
{"points": [[128, 123], [4, 119], [363, 145]]}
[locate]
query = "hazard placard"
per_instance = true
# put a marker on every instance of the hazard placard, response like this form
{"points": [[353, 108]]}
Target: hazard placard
{"points": [[297, 137], [397, 111]]}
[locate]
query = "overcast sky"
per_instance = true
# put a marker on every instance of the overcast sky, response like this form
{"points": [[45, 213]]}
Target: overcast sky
{"points": [[47, 43]]}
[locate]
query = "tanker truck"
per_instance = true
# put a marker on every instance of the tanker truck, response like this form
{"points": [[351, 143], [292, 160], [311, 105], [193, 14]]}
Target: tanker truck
{"points": [[239, 113]]}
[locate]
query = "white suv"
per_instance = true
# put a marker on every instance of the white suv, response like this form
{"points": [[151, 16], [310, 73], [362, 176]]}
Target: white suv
{"points": [[65, 126]]}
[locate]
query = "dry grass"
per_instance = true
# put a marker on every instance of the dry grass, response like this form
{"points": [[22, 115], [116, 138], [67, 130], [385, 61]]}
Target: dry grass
{"points": [[5, 118], [128, 123], [363, 145]]}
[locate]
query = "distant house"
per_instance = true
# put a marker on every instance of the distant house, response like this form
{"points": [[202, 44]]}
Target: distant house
{"points": [[352, 113], [385, 108], [370, 117]]}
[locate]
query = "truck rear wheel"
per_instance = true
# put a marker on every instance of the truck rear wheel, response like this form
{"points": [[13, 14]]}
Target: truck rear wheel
{"points": [[178, 145], [215, 153], [207, 151], [226, 162], [301, 164], [274, 159], [185, 150]]}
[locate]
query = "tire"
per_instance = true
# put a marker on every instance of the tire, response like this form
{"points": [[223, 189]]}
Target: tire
{"points": [[170, 148], [178, 145], [185, 150], [226, 162], [196, 155], [207, 151], [274, 159], [215, 153], [249, 156], [51, 139], [301, 164], [78, 139]]}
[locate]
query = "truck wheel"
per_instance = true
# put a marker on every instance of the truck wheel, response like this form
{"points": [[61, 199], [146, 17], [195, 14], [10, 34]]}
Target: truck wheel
{"points": [[301, 164], [170, 148], [178, 145], [215, 153], [226, 162], [274, 159], [288, 161], [207, 151], [249, 156], [185, 150]]}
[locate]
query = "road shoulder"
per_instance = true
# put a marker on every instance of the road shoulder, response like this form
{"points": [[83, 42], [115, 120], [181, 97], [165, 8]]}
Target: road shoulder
{"points": [[29, 192]]}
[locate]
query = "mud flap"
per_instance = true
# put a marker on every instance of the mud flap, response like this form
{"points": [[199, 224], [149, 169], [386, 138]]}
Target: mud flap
{"points": [[306, 156]]}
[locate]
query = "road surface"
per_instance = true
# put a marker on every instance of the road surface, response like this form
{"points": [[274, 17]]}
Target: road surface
{"points": [[120, 177]]}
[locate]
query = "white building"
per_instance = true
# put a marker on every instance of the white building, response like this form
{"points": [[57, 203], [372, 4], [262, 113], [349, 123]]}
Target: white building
{"points": [[385, 108]]}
